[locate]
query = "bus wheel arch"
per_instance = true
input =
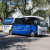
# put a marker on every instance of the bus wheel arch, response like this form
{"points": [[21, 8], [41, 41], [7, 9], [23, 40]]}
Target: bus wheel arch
{"points": [[32, 34]]}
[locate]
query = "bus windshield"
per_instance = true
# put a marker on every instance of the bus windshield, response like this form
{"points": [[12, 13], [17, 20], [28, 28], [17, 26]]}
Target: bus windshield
{"points": [[42, 23]]}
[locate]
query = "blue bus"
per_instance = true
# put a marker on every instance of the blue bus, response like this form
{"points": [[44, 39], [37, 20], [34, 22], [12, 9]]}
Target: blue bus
{"points": [[27, 25]]}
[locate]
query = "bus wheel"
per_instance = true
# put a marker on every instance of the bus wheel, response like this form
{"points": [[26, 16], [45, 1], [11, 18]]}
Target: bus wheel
{"points": [[10, 32], [32, 34]]}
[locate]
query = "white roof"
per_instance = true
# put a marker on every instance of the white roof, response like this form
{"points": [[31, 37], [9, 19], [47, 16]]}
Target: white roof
{"points": [[41, 18]]}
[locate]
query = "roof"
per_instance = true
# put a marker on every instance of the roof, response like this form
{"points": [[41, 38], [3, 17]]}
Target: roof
{"points": [[41, 18]]}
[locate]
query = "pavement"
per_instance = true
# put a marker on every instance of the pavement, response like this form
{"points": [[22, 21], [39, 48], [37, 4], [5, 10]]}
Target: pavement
{"points": [[20, 42]]}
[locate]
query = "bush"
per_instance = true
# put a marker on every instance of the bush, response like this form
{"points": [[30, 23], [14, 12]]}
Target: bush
{"points": [[48, 29]]}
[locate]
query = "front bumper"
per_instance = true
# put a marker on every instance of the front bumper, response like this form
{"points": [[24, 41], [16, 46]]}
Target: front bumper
{"points": [[42, 32]]}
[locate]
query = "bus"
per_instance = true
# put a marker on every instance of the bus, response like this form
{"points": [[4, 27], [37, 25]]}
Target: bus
{"points": [[27, 25]]}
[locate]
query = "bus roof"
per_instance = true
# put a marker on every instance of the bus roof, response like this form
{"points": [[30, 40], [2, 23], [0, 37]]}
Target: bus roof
{"points": [[41, 18]]}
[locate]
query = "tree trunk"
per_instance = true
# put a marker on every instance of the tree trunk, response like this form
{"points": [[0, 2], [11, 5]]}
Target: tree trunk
{"points": [[25, 6], [6, 12]]}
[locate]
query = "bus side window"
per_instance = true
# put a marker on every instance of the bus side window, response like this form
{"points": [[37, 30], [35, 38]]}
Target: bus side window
{"points": [[28, 21], [35, 22], [17, 21], [23, 21]]}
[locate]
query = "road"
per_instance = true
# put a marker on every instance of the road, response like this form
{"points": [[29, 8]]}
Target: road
{"points": [[19, 42]]}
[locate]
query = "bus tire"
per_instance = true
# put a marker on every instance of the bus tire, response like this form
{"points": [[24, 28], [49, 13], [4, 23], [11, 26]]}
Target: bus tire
{"points": [[32, 34], [10, 32]]}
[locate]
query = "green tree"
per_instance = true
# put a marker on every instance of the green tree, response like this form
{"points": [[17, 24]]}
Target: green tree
{"points": [[40, 13], [36, 3], [21, 4], [48, 11], [0, 9]]}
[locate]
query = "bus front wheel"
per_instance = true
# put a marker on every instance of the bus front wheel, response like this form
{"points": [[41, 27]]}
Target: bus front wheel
{"points": [[32, 34], [10, 32]]}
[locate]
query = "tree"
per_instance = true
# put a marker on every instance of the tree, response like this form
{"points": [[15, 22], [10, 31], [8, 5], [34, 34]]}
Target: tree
{"points": [[5, 7], [36, 3], [21, 4], [0, 9], [48, 1], [48, 11], [40, 13]]}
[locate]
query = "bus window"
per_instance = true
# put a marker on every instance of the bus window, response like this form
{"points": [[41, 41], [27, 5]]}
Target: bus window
{"points": [[23, 20], [31, 21], [35, 22], [17, 21]]}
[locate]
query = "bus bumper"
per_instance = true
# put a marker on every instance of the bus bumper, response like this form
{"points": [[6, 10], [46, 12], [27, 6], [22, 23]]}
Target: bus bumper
{"points": [[44, 32]]}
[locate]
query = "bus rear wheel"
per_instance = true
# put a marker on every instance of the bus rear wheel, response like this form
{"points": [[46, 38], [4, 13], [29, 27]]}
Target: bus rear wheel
{"points": [[32, 34], [10, 32]]}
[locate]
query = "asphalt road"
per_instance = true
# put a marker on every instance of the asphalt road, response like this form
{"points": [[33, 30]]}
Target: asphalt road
{"points": [[19, 42]]}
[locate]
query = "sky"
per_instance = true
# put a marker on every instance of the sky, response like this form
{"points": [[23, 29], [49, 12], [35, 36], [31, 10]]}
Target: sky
{"points": [[29, 0], [0, 0], [10, 4]]}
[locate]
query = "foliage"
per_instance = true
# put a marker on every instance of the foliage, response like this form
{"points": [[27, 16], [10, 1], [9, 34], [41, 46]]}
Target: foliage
{"points": [[48, 12], [41, 13], [48, 1], [39, 3], [0, 9], [21, 4], [48, 29]]}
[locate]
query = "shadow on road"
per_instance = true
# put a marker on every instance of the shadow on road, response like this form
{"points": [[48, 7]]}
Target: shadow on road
{"points": [[10, 41], [1, 31], [42, 36]]}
